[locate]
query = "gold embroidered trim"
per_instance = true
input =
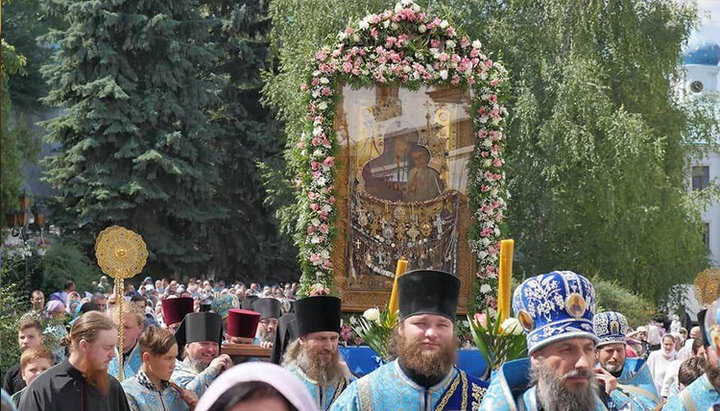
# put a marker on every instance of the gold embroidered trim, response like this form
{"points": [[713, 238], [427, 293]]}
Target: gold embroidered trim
{"points": [[451, 390], [340, 388], [478, 393], [365, 394]]}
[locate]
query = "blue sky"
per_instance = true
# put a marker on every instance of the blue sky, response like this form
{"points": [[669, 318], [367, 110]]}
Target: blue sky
{"points": [[710, 30]]}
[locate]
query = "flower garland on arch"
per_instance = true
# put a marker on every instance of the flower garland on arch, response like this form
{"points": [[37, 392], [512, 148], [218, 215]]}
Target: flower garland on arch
{"points": [[404, 46]]}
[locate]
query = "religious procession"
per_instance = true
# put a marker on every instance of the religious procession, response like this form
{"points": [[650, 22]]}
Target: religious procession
{"points": [[303, 205]]}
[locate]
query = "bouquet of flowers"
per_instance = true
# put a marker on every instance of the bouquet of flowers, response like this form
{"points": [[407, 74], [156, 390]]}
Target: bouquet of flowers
{"points": [[498, 340], [375, 327]]}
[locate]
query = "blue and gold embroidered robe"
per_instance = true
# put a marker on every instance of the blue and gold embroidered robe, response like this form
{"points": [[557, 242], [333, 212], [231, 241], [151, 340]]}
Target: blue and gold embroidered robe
{"points": [[130, 366], [324, 396], [509, 391], [698, 396], [186, 377], [636, 382], [388, 388], [143, 397]]}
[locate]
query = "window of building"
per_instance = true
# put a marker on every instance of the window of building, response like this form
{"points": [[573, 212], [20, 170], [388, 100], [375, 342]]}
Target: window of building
{"points": [[700, 177]]}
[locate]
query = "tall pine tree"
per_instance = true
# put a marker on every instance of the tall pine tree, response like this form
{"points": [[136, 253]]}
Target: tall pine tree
{"points": [[246, 244], [138, 149]]}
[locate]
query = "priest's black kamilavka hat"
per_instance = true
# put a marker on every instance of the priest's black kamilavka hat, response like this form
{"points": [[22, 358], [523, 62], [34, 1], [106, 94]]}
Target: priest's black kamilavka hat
{"points": [[319, 313], [248, 301], [267, 307], [428, 292], [200, 327]]}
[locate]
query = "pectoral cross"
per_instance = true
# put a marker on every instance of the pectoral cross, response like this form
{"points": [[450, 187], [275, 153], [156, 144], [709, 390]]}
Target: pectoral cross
{"points": [[439, 225]]}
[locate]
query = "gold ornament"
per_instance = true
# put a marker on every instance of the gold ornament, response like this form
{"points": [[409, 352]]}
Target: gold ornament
{"points": [[706, 286], [121, 254]]}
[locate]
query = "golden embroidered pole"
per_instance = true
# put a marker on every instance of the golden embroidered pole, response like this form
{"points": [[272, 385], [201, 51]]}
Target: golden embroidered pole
{"points": [[505, 277], [400, 270], [121, 254]]}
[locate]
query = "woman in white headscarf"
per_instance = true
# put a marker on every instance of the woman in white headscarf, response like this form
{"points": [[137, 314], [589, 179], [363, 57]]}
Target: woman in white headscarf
{"points": [[659, 361], [256, 385]]}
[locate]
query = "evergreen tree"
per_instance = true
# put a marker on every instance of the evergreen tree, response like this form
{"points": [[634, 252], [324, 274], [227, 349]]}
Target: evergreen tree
{"points": [[137, 145], [246, 243]]}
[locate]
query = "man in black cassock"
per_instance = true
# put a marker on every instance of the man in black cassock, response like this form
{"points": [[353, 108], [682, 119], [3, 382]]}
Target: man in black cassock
{"points": [[81, 381]]}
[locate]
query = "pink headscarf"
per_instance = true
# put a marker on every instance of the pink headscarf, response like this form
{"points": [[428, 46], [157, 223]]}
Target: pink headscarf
{"points": [[287, 384]]}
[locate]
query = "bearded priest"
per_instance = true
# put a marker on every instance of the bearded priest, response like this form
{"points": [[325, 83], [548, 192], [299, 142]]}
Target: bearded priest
{"points": [[314, 356], [424, 376]]}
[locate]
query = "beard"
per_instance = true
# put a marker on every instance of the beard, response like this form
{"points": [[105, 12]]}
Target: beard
{"points": [[196, 365], [321, 369], [553, 394], [96, 375], [431, 364]]}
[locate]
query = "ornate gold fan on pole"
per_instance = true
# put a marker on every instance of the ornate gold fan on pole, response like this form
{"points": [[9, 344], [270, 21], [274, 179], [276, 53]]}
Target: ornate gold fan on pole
{"points": [[706, 286], [121, 254]]}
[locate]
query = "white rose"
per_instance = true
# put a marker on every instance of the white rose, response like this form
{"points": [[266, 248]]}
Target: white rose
{"points": [[324, 80], [415, 8], [323, 105], [386, 23], [422, 28], [444, 74], [398, 7], [342, 35], [476, 44], [485, 288], [394, 26], [372, 314], [450, 44], [444, 24], [363, 25], [511, 326]]}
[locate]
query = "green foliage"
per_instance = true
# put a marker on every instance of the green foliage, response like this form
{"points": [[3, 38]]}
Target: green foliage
{"points": [[14, 304], [613, 297], [496, 344], [245, 243], [137, 145], [375, 327], [595, 150], [16, 142], [63, 262]]}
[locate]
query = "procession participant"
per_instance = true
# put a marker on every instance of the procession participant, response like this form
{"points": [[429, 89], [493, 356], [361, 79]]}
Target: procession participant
{"points": [[33, 362], [704, 392], [287, 332], [80, 382], [37, 300], [424, 376], [133, 320], [314, 357], [247, 303], [29, 336], [556, 312], [241, 326], [269, 309], [151, 388], [659, 360], [670, 382], [174, 310], [256, 386], [199, 339], [222, 305], [633, 376]]}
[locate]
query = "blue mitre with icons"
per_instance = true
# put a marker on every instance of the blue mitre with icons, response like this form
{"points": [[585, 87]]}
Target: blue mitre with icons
{"points": [[610, 327], [555, 306], [712, 324]]}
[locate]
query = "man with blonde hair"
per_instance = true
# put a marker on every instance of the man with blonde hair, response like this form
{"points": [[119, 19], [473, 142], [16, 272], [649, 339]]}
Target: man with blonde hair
{"points": [[133, 321], [81, 381]]}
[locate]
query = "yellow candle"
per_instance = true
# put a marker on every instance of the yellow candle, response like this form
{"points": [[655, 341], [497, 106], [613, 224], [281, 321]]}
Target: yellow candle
{"points": [[400, 270], [504, 277]]}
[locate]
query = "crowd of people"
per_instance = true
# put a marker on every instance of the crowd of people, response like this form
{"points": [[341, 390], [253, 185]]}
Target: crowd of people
{"points": [[171, 357]]}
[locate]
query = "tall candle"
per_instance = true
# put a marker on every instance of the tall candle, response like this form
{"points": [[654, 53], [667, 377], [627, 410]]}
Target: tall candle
{"points": [[399, 270], [504, 277]]}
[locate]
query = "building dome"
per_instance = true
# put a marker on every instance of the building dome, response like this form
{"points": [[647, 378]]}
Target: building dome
{"points": [[707, 54]]}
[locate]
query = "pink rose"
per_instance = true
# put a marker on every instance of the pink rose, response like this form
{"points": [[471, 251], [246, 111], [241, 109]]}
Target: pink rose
{"points": [[480, 319]]}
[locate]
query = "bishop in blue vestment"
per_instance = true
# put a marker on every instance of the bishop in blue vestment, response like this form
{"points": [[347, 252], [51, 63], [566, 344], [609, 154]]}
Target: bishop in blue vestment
{"points": [[556, 311], [424, 376]]}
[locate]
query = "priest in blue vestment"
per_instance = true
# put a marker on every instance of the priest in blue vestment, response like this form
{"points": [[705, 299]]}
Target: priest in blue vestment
{"points": [[633, 376], [704, 393], [556, 312], [424, 376], [314, 358]]}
